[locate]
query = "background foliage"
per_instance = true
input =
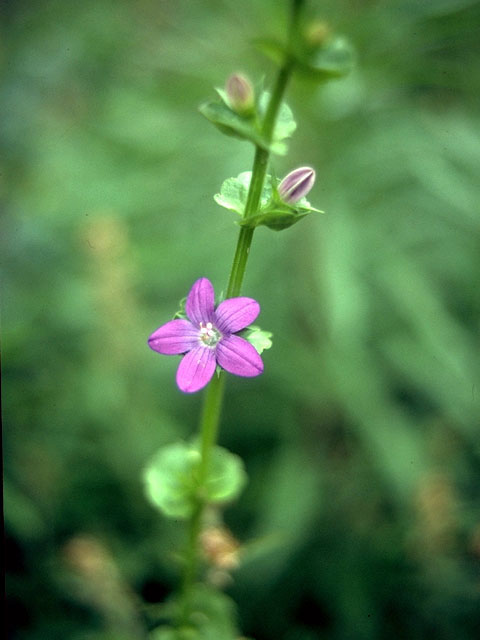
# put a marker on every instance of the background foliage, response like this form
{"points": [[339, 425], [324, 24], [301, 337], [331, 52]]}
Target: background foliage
{"points": [[361, 440]]}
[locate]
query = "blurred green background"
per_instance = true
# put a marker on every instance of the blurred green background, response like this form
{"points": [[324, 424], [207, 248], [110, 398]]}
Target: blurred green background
{"points": [[361, 519]]}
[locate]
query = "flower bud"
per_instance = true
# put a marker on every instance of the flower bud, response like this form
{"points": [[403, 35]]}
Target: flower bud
{"points": [[316, 34], [240, 93], [296, 184]]}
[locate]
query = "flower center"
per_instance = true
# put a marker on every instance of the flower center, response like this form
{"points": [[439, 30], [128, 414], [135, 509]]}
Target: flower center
{"points": [[208, 334]]}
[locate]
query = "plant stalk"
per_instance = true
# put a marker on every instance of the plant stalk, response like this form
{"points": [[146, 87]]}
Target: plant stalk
{"points": [[210, 417]]}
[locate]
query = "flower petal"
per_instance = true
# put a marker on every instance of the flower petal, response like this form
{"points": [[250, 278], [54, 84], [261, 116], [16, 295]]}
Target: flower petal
{"points": [[174, 337], [235, 314], [200, 302], [196, 369], [239, 357]]}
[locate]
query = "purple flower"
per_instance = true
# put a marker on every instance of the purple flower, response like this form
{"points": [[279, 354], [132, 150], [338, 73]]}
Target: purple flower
{"points": [[296, 184], [208, 338]]}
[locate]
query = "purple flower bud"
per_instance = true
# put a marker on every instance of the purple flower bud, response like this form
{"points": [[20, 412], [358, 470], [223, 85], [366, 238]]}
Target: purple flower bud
{"points": [[240, 93], [296, 184]]}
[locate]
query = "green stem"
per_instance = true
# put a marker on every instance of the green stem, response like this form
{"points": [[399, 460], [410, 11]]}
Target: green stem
{"points": [[210, 418], [209, 423], [259, 171]]}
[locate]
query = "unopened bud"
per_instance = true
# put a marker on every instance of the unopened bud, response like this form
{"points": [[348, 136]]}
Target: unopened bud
{"points": [[240, 93], [296, 184], [317, 33]]}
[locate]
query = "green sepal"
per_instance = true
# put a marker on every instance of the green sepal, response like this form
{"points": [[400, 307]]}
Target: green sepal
{"points": [[334, 59], [259, 338], [273, 212], [248, 127], [172, 479]]}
